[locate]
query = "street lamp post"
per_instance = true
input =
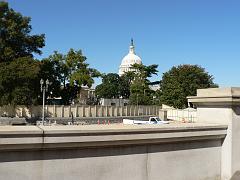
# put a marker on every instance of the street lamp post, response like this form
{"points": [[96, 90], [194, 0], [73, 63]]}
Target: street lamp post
{"points": [[44, 88]]}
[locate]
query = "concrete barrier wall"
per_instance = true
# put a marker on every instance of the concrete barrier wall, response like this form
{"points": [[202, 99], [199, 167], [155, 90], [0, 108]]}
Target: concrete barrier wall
{"points": [[222, 106], [207, 149], [79, 111], [189, 114], [115, 152]]}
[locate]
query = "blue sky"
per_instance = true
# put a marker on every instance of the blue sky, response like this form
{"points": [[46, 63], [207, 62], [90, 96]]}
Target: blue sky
{"points": [[165, 32]]}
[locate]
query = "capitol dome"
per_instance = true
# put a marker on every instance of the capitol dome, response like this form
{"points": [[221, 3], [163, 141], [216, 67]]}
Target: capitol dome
{"points": [[130, 59]]}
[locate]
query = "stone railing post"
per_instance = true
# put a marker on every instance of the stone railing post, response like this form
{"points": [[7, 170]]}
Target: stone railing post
{"points": [[76, 111], [62, 111], [69, 111], [107, 111], [110, 111], [89, 111], [120, 110], [222, 106], [95, 111], [100, 112], [81, 111]]}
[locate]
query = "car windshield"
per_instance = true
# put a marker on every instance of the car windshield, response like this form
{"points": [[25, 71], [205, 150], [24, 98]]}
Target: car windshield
{"points": [[154, 120]]}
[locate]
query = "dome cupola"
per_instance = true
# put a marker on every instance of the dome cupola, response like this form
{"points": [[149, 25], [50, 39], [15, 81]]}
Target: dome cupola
{"points": [[130, 59]]}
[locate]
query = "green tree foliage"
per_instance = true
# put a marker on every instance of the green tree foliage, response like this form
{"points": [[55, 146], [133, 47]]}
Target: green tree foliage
{"points": [[49, 69], [140, 92], [15, 38], [109, 87], [115, 86], [143, 72], [133, 85], [182, 81], [125, 83], [67, 73], [18, 81], [78, 70], [18, 70], [20, 73]]}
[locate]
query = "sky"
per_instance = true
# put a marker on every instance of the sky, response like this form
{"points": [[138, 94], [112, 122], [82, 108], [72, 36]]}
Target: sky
{"points": [[165, 32]]}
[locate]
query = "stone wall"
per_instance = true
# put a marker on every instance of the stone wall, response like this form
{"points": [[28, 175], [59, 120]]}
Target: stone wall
{"points": [[80, 111], [208, 149], [222, 106], [116, 152], [188, 114]]}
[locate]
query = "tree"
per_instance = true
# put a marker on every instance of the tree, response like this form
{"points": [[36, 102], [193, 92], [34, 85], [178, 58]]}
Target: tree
{"points": [[115, 86], [125, 83], [140, 93], [182, 81], [79, 72], [110, 86], [18, 70], [49, 69], [18, 81], [143, 71], [68, 73], [16, 39]]}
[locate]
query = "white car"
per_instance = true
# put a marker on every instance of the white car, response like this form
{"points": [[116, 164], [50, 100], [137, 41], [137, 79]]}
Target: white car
{"points": [[151, 120]]}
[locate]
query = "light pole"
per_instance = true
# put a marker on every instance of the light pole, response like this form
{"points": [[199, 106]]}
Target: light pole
{"points": [[44, 88]]}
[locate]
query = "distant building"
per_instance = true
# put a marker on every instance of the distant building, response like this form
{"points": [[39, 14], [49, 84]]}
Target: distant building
{"points": [[154, 87], [86, 95], [54, 100], [113, 102], [130, 59]]}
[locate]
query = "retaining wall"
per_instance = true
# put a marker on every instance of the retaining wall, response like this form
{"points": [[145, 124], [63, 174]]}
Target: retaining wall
{"points": [[111, 152], [79, 111]]}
